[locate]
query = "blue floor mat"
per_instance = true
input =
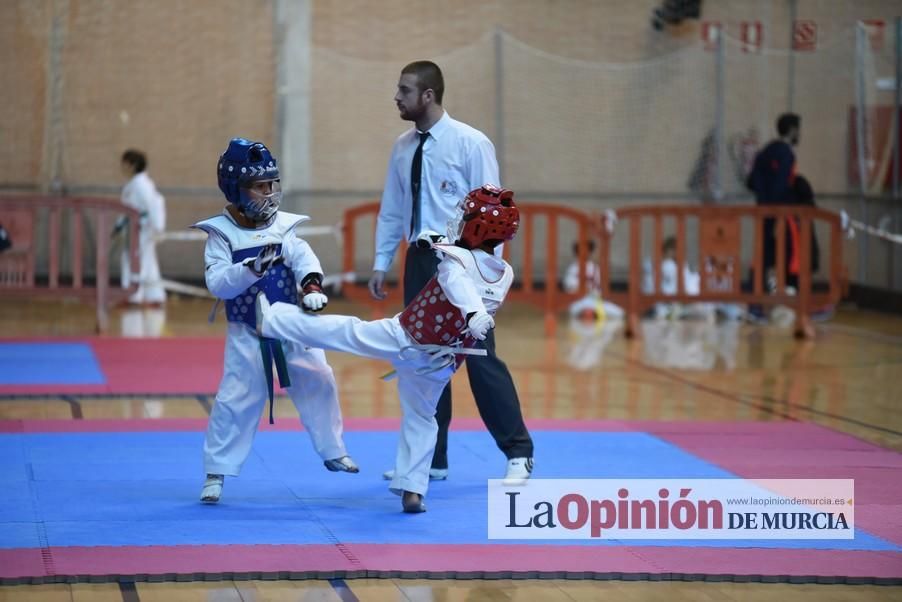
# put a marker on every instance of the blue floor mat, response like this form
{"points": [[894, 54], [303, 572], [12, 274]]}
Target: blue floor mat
{"points": [[49, 364], [92, 489]]}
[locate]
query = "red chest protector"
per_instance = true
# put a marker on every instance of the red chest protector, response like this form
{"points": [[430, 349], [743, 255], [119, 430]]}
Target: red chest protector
{"points": [[431, 318]]}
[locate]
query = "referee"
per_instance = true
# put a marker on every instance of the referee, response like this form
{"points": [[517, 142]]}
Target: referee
{"points": [[432, 167]]}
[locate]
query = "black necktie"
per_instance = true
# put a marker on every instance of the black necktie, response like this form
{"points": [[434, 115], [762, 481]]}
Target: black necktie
{"points": [[416, 172]]}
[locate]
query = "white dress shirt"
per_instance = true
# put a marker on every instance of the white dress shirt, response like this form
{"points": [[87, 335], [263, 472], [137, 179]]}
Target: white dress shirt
{"points": [[456, 159]]}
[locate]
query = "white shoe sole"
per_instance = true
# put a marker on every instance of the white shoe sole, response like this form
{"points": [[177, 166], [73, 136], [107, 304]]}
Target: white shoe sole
{"points": [[518, 472], [343, 464], [435, 474]]}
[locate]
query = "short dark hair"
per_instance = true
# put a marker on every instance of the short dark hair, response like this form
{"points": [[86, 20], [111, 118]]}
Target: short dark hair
{"points": [[786, 122], [429, 77], [136, 159], [670, 244]]}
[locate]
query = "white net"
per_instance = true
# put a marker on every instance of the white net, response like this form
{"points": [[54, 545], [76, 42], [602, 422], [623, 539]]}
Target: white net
{"points": [[352, 136], [601, 128], [86, 80]]}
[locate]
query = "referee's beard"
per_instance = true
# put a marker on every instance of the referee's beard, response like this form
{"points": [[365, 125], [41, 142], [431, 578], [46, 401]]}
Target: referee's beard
{"points": [[413, 113]]}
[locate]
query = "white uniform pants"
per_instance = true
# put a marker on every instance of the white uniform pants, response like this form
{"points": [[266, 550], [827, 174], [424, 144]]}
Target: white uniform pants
{"points": [[150, 282], [242, 395], [383, 340]]}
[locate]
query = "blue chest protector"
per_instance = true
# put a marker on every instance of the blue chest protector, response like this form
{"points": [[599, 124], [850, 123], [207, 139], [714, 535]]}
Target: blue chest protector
{"points": [[278, 283]]}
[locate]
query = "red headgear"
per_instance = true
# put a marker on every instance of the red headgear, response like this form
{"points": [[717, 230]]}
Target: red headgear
{"points": [[489, 213]]}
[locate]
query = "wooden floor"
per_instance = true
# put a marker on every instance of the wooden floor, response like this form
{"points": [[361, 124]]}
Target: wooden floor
{"points": [[847, 379]]}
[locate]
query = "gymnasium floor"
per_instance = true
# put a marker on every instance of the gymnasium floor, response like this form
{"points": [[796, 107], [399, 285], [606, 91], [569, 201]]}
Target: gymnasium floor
{"points": [[683, 382]]}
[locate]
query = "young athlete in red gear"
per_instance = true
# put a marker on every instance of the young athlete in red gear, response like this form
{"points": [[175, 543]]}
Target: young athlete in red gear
{"points": [[428, 340]]}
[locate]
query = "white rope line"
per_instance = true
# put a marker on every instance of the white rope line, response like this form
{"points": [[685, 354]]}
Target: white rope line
{"points": [[201, 235], [185, 289], [849, 226], [332, 280]]}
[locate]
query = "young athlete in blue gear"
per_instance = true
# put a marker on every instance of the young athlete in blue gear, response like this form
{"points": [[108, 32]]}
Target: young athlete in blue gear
{"points": [[252, 249], [428, 340]]}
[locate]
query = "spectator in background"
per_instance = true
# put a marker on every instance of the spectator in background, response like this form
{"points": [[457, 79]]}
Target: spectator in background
{"points": [[591, 308], [773, 170], [141, 194], [593, 271], [669, 268], [669, 285], [771, 180]]}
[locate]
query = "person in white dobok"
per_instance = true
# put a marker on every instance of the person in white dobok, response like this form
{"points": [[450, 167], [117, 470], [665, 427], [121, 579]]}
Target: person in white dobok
{"points": [[251, 250], [429, 339], [141, 194]]}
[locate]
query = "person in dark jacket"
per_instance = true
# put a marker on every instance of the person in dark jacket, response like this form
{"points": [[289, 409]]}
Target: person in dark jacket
{"points": [[771, 180]]}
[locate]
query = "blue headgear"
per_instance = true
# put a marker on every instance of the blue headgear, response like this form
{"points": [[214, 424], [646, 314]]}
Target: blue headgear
{"points": [[242, 164]]}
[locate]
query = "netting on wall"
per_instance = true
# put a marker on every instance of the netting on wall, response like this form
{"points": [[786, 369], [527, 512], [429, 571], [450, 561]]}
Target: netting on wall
{"points": [[23, 35], [95, 77], [754, 92], [559, 125], [354, 120], [824, 86], [594, 127], [687, 122]]}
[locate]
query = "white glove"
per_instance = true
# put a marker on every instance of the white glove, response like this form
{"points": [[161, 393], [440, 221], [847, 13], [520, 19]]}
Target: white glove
{"points": [[315, 301], [480, 324], [267, 256]]}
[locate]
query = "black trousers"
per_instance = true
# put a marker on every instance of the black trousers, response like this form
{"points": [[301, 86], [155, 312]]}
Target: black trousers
{"points": [[770, 253], [490, 380]]}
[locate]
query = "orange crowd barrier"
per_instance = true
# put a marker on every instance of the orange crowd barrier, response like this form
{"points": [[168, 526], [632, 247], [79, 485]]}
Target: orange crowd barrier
{"points": [[546, 293], [21, 216], [357, 290], [719, 246], [721, 268]]}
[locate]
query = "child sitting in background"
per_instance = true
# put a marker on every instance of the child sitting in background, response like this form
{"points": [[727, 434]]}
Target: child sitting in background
{"points": [[591, 307], [670, 286]]}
